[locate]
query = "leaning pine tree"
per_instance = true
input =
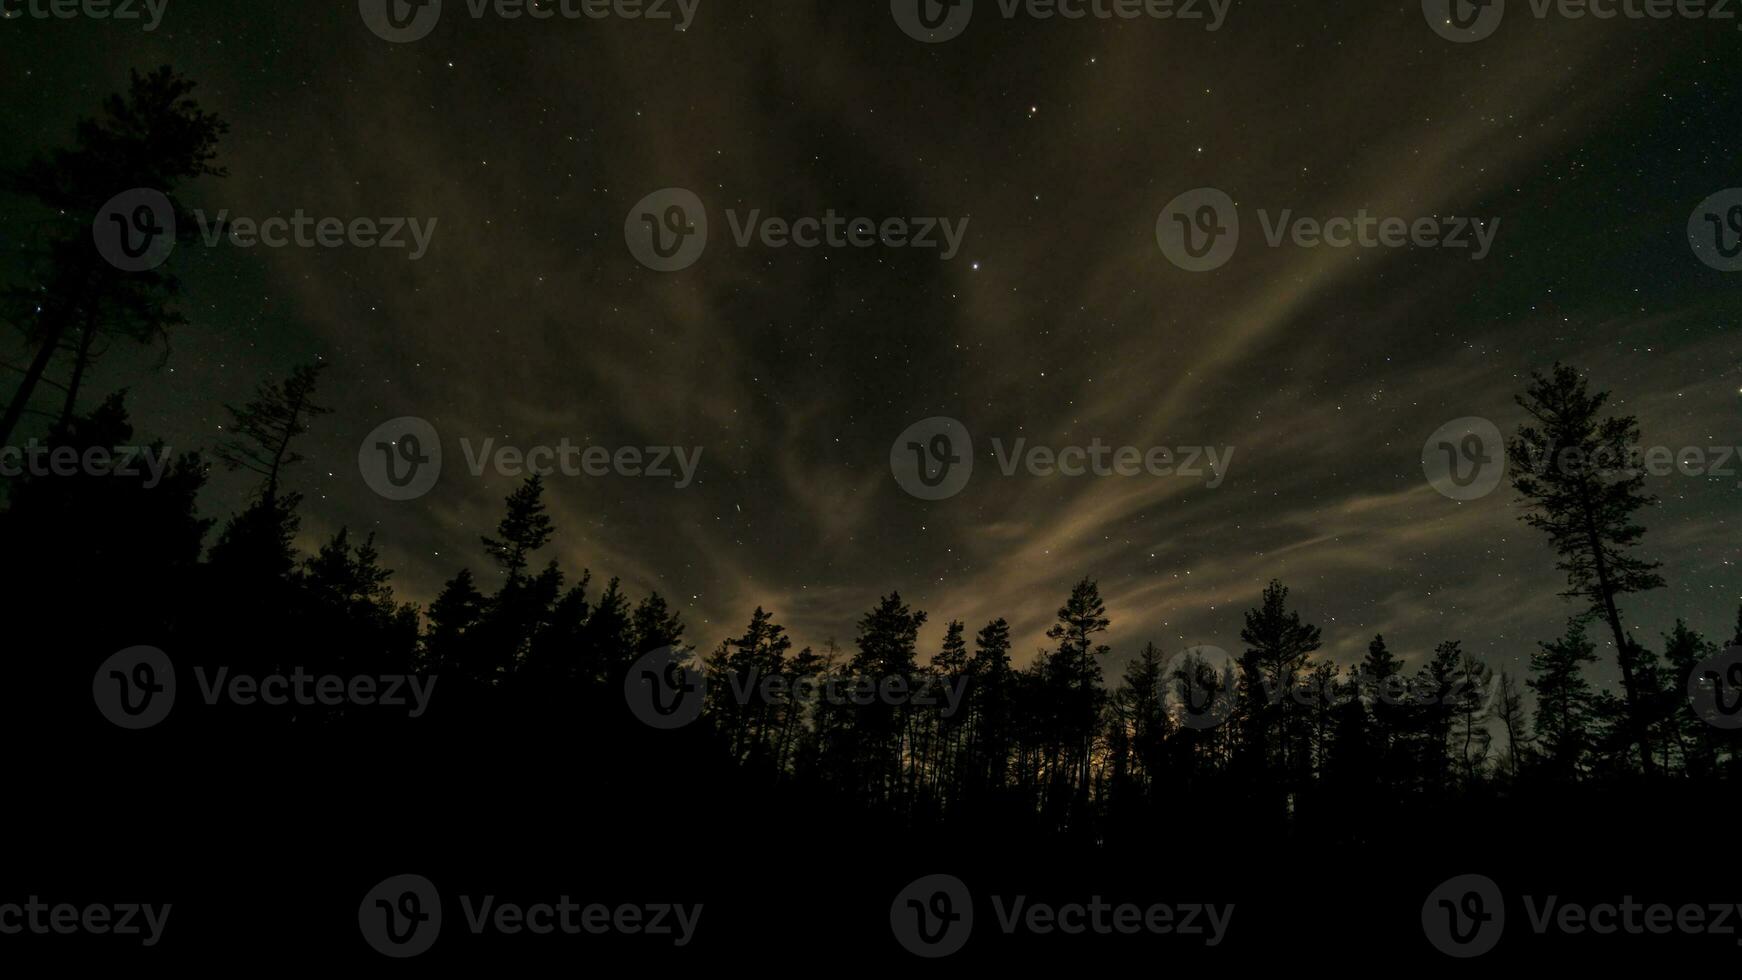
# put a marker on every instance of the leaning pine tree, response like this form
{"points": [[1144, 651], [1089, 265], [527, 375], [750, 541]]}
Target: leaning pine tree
{"points": [[1571, 467]]}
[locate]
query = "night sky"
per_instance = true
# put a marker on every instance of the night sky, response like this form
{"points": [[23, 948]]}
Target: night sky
{"points": [[1060, 321]]}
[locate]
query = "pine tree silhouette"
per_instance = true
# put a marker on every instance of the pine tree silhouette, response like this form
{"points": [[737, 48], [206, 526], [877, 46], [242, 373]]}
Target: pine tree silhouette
{"points": [[1570, 466], [155, 137]]}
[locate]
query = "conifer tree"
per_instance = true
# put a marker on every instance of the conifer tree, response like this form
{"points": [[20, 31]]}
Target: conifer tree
{"points": [[1565, 703], [524, 529], [1471, 703], [1692, 740], [1509, 711], [1434, 709], [1278, 645], [255, 550], [155, 137], [654, 625], [453, 617], [267, 426], [1076, 672], [989, 700], [1571, 466]]}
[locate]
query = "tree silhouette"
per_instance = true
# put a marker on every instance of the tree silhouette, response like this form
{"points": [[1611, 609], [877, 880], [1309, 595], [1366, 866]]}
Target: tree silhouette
{"points": [[1278, 648], [1434, 704], [254, 551], [1570, 468], [523, 530], [989, 704], [154, 137], [268, 425], [1074, 676], [1470, 701], [1684, 737], [1509, 712], [1564, 701], [453, 618]]}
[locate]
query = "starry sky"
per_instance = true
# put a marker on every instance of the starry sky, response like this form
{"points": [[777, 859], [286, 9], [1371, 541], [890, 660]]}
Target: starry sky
{"points": [[1060, 321]]}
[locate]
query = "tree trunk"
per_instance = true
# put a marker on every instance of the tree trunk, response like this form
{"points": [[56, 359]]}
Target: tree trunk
{"points": [[83, 361], [57, 330], [27, 387], [1623, 646]]}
